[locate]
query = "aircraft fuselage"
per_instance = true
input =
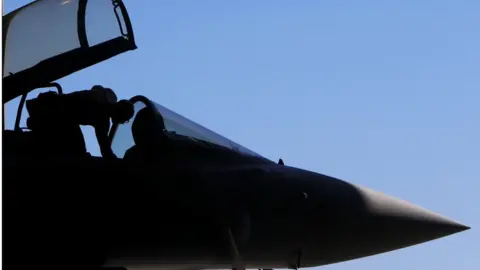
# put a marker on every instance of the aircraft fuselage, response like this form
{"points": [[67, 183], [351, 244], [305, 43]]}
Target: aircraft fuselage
{"points": [[174, 216]]}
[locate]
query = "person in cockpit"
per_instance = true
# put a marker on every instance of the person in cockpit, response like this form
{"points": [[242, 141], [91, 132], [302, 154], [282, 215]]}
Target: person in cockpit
{"points": [[148, 134], [64, 114]]}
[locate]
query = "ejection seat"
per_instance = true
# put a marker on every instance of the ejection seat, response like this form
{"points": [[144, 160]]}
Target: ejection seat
{"points": [[38, 137], [22, 140]]}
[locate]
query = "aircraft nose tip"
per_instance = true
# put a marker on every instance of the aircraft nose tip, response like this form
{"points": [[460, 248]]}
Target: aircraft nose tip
{"points": [[411, 224], [356, 222]]}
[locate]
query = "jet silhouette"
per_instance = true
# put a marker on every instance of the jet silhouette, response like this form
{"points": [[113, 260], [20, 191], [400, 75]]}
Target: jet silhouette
{"points": [[201, 201]]}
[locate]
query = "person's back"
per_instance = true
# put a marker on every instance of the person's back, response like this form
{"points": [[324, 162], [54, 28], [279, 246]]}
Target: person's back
{"points": [[89, 107], [93, 107]]}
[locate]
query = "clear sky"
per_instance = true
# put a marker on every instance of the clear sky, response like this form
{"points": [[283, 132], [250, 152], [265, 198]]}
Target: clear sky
{"points": [[384, 94]]}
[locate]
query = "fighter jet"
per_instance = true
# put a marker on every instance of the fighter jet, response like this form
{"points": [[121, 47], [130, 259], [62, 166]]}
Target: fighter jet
{"points": [[204, 202]]}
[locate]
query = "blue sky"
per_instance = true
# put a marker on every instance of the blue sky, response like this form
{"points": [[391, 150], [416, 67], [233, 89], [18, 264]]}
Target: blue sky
{"points": [[384, 94]]}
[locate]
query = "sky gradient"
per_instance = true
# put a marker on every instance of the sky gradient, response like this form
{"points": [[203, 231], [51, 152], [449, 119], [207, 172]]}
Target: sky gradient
{"points": [[384, 94]]}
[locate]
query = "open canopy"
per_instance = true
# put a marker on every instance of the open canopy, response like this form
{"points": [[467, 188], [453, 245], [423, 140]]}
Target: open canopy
{"points": [[49, 39]]}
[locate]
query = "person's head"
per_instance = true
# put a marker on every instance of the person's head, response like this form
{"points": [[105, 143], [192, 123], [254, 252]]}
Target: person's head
{"points": [[122, 111], [147, 127]]}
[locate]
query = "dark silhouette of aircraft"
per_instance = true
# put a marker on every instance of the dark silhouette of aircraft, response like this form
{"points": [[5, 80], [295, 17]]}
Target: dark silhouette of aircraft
{"points": [[196, 200]]}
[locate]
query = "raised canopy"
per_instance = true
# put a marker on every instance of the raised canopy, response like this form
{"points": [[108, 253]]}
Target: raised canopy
{"points": [[49, 39]]}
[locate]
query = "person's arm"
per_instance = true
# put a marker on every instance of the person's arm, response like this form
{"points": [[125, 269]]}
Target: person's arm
{"points": [[101, 131]]}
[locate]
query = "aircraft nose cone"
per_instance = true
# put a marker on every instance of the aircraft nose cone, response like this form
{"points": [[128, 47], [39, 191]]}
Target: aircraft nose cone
{"points": [[404, 221], [356, 222]]}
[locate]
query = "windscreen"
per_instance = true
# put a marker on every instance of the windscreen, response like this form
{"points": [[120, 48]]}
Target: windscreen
{"points": [[49, 28], [123, 138], [183, 126]]}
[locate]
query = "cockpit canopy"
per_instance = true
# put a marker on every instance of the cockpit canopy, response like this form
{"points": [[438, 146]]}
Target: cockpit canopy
{"points": [[49, 39], [122, 138], [183, 126]]}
